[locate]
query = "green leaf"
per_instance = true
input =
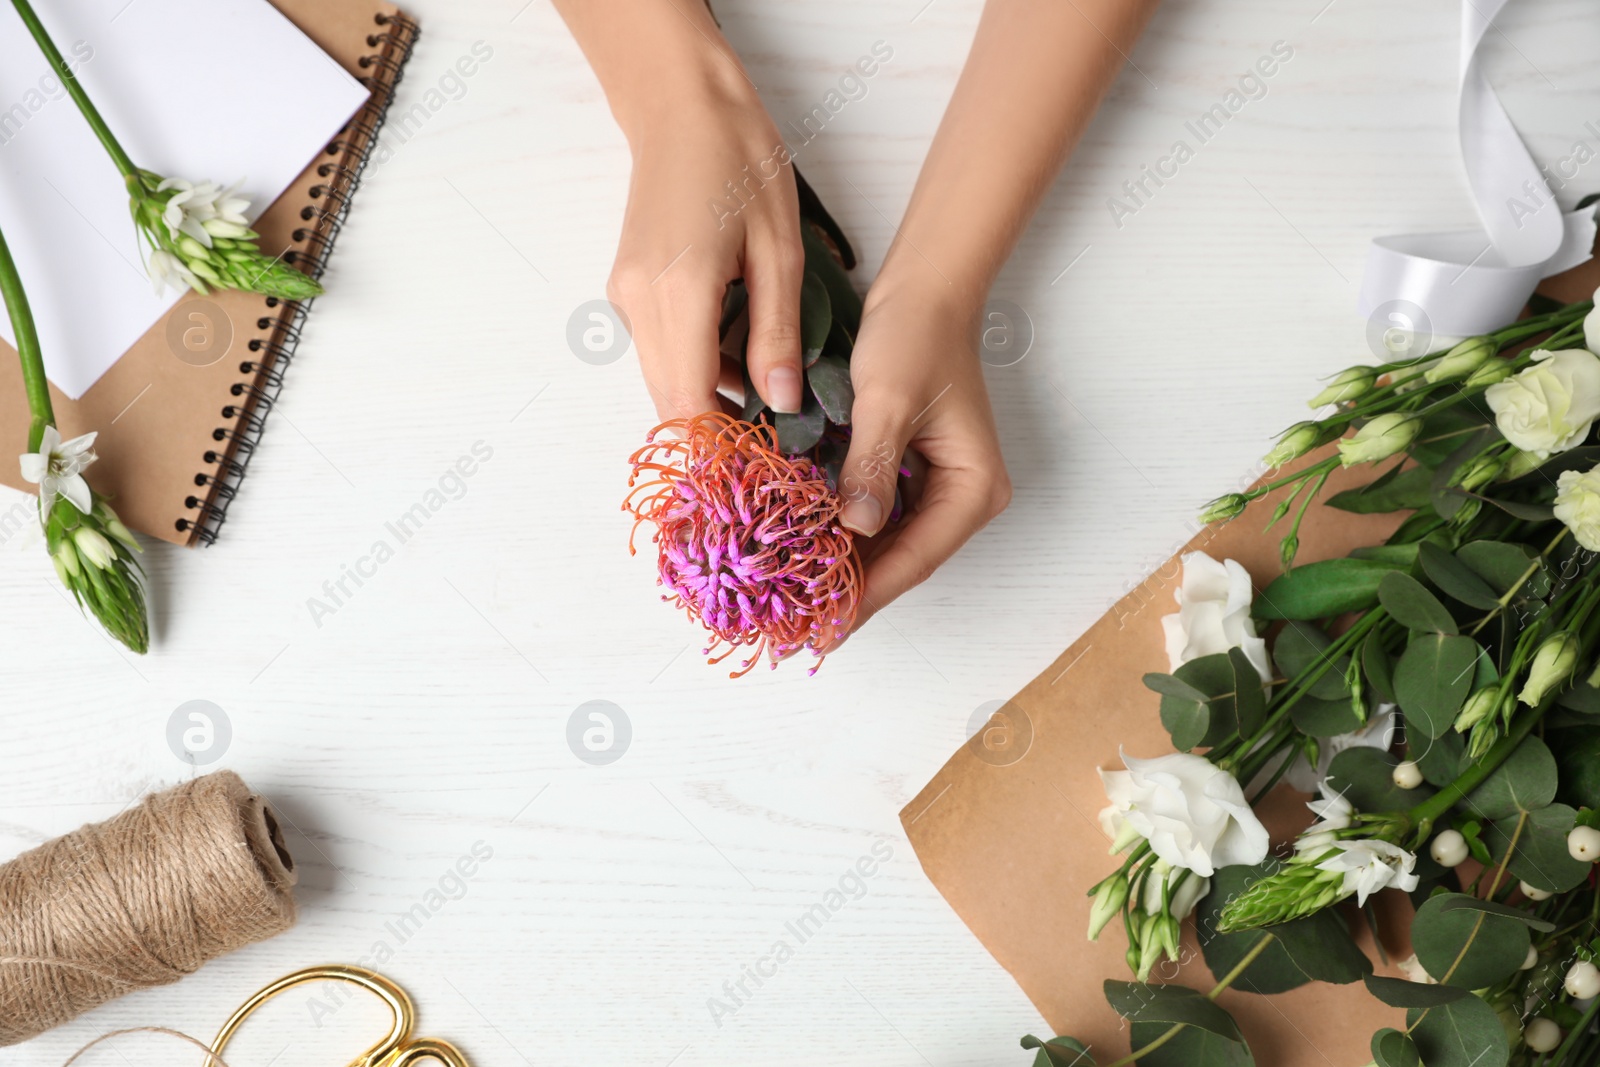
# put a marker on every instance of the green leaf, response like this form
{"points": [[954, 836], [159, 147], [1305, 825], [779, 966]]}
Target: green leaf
{"points": [[800, 433], [1447, 500], [1400, 993], [1324, 718], [1366, 778], [1443, 433], [1300, 647], [1172, 686], [1433, 678], [1392, 1048], [1378, 668], [753, 404], [816, 317], [1323, 589], [1526, 781], [1141, 1002], [1583, 698], [1059, 1052], [1442, 759], [1203, 712], [1249, 698], [1463, 1033], [1317, 948], [1541, 858], [1400, 557], [1464, 946], [1455, 578], [1188, 1048], [1516, 508], [1412, 606], [1460, 901], [1393, 492], [1577, 755], [843, 300], [1502, 564], [829, 379]]}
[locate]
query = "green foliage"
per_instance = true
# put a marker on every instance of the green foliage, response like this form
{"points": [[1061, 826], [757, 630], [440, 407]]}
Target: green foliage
{"points": [[1541, 858], [1467, 946], [1209, 1037], [1393, 1048], [1462, 1033], [1302, 647], [1577, 755], [1324, 718], [1455, 578], [1396, 490], [1366, 778], [1323, 589], [1526, 781], [1198, 700], [1433, 678], [1059, 1052], [1410, 604], [1316, 948]]}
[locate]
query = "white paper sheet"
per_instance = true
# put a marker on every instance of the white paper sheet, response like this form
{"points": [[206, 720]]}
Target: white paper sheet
{"points": [[199, 89]]}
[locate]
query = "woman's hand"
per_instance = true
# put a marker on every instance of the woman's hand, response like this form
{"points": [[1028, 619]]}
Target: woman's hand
{"points": [[712, 198], [919, 387]]}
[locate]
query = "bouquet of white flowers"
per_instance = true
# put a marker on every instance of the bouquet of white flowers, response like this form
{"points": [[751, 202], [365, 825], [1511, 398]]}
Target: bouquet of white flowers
{"points": [[1438, 691]]}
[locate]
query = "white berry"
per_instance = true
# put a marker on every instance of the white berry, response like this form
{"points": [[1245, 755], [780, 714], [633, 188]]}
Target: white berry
{"points": [[1583, 980], [1542, 1035], [1407, 775], [1449, 848], [1530, 959], [1534, 894], [1584, 844]]}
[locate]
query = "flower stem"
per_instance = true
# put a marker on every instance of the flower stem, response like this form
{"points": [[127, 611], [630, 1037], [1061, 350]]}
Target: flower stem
{"points": [[34, 383], [1423, 815], [1216, 991], [108, 140]]}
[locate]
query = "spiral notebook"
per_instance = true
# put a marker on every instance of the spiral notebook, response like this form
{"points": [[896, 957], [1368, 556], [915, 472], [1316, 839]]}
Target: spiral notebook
{"points": [[181, 412]]}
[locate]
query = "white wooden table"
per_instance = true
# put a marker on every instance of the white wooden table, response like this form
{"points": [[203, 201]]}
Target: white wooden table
{"points": [[429, 711]]}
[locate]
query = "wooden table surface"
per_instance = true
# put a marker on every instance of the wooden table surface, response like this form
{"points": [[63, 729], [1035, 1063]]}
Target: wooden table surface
{"points": [[428, 712]]}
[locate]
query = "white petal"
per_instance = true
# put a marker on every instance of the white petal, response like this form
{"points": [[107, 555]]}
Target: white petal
{"points": [[78, 445], [75, 489], [51, 442], [33, 467]]}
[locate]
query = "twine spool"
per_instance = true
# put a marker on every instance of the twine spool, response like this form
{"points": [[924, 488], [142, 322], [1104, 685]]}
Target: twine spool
{"points": [[140, 900]]}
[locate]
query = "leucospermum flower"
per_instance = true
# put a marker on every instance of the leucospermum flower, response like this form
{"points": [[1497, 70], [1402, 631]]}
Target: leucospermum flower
{"points": [[748, 538]]}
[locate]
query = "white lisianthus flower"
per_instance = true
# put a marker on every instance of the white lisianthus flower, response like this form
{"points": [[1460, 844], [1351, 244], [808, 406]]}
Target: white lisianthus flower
{"points": [[203, 210], [1192, 812], [1551, 405], [1213, 614], [1578, 505], [1185, 894], [57, 469], [1369, 866]]}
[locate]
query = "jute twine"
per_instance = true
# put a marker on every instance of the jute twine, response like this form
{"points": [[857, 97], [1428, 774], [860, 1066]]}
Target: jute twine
{"points": [[140, 900]]}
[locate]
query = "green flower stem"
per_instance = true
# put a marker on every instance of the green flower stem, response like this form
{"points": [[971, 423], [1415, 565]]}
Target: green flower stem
{"points": [[1423, 816], [108, 140], [34, 383], [1216, 991], [1576, 1034], [1506, 597]]}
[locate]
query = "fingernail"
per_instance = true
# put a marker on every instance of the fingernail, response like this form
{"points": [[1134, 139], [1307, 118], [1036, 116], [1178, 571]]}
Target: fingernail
{"points": [[864, 516], [783, 389]]}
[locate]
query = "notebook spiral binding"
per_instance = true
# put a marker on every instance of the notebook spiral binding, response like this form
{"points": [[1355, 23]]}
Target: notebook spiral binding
{"points": [[252, 397]]}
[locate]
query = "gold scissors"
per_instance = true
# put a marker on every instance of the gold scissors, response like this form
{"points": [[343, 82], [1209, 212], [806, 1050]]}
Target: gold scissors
{"points": [[398, 1049]]}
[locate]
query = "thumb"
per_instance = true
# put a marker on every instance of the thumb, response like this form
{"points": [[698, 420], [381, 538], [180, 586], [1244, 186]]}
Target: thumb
{"points": [[879, 435]]}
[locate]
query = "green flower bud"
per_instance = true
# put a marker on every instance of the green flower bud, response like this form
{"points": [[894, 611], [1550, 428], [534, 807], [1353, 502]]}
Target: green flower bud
{"points": [[1495, 370], [1169, 933], [66, 561], [1380, 438], [1107, 904], [94, 547], [1477, 472], [1347, 385], [189, 248], [1553, 664], [1224, 508], [1480, 706], [1519, 463], [1463, 359], [1296, 441]]}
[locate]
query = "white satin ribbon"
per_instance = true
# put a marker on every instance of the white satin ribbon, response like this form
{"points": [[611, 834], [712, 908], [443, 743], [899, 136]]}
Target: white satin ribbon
{"points": [[1471, 281]]}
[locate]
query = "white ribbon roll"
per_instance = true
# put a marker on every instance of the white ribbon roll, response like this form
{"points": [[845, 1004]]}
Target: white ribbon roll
{"points": [[1471, 281]]}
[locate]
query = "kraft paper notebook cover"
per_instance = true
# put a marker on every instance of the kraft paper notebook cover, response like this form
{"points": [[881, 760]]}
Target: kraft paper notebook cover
{"points": [[1008, 833], [180, 413]]}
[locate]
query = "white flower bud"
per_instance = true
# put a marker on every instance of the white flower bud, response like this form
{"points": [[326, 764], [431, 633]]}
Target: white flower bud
{"points": [[1497, 370], [1480, 706], [1541, 1035], [1380, 438], [1296, 441], [1552, 666], [1346, 385], [1582, 981], [93, 546], [1532, 893], [1449, 848], [1407, 775], [1583, 843]]}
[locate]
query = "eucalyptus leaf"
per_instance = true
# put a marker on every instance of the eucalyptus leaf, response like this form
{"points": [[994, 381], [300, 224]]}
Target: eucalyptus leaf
{"points": [[1249, 698], [1323, 589], [1541, 858], [1316, 948], [1467, 947], [1455, 578], [1441, 759], [1583, 698], [1433, 678], [1393, 1048], [1401, 993], [1208, 721], [1059, 1052], [829, 379], [1189, 1047], [1324, 718], [1463, 1033], [1526, 781], [1577, 754], [816, 317], [1378, 668], [1410, 604], [1517, 508], [1502, 564], [1141, 1002], [1302, 647], [1463, 902], [1366, 778]]}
